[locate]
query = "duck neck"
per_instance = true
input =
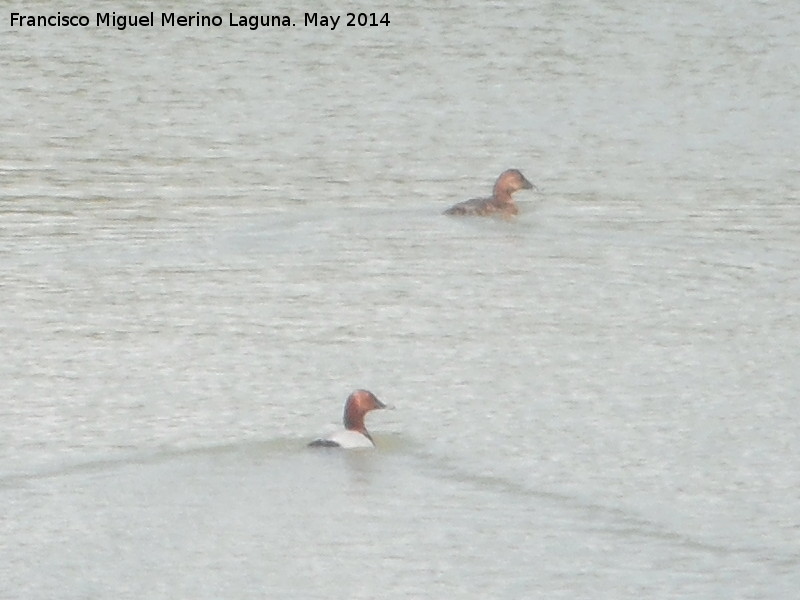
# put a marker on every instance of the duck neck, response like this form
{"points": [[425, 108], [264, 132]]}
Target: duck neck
{"points": [[501, 195], [354, 420]]}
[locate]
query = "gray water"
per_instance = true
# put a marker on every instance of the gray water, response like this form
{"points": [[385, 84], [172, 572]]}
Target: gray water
{"points": [[209, 237]]}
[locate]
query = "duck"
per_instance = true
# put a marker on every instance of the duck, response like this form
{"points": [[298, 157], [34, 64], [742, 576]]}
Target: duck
{"points": [[354, 434], [500, 202]]}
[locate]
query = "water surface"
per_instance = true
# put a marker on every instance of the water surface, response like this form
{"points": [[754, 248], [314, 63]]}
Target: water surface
{"points": [[209, 237]]}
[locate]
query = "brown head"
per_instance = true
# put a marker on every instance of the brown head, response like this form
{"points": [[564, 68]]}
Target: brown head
{"points": [[359, 403], [509, 182]]}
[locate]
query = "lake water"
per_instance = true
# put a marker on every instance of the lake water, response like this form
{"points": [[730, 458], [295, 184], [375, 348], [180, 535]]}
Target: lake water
{"points": [[210, 236]]}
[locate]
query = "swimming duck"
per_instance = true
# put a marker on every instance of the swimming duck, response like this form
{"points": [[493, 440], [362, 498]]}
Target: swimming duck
{"points": [[500, 202], [354, 434]]}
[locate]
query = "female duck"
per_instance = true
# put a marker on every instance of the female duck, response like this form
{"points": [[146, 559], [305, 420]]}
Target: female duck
{"points": [[355, 434], [500, 203]]}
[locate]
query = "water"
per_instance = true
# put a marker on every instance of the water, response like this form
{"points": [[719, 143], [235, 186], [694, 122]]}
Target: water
{"points": [[209, 237]]}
